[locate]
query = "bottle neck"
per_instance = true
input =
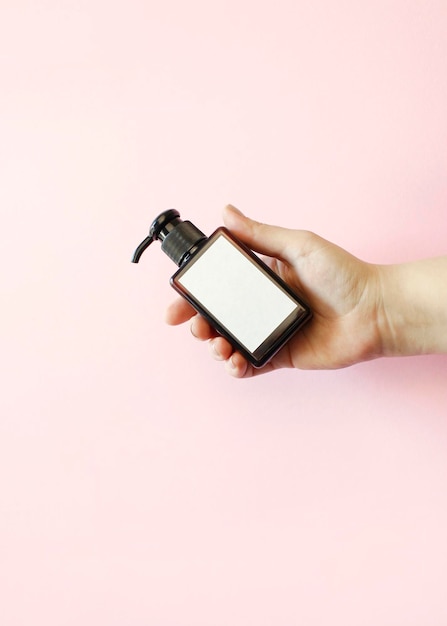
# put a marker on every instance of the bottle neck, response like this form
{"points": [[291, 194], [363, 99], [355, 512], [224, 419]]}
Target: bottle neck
{"points": [[182, 241]]}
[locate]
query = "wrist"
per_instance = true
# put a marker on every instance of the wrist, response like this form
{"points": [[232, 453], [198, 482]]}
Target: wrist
{"points": [[389, 318], [412, 311]]}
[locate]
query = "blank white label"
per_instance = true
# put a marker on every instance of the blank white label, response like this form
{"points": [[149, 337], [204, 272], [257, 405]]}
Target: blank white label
{"points": [[237, 293]]}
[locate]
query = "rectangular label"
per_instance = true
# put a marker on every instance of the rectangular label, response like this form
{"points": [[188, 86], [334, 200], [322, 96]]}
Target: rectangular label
{"points": [[245, 300]]}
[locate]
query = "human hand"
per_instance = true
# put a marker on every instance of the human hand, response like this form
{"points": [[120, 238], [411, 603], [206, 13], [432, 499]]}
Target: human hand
{"points": [[342, 291]]}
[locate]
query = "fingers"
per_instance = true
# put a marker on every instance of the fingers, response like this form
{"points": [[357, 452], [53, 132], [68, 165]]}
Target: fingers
{"points": [[235, 364], [200, 328], [181, 311], [238, 367], [178, 312], [272, 241], [220, 349]]}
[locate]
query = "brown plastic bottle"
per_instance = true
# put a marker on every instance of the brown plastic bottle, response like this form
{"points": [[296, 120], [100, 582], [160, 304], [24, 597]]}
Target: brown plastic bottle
{"points": [[239, 295]]}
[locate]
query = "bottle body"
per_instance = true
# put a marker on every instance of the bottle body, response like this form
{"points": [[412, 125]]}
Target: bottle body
{"points": [[240, 296]]}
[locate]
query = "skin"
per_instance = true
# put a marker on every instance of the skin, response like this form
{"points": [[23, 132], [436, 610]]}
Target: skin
{"points": [[361, 311]]}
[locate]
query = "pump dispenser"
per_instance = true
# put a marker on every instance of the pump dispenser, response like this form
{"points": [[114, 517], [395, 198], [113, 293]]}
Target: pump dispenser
{"points": [[179, 239], [222, 279]]}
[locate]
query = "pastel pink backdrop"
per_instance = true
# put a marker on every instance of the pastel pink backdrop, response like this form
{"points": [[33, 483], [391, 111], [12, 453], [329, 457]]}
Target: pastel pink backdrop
{"points": [[139, 485]]}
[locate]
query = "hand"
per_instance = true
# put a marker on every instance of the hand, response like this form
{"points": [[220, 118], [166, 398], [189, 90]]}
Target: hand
{"points": [[342, 291]]}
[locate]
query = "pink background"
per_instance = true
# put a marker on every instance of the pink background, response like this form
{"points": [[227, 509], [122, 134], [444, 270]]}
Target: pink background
{"points": [[139, 485]]}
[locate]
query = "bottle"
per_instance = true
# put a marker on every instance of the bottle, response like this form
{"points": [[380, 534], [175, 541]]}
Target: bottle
{"points": [[231, 287]]}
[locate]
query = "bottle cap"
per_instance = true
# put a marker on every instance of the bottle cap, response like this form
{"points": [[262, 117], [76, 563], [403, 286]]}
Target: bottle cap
{"points": [[179, 239]]}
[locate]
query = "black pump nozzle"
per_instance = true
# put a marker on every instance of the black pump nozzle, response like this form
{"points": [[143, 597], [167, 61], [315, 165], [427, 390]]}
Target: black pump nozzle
{"points": [[167, 217], [178, 239]]}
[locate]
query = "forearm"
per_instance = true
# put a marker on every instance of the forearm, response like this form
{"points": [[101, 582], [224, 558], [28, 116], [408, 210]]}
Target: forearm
{"points": [[412, 313]]}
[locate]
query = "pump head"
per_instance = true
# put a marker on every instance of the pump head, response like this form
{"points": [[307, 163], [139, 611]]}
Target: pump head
{"points": [[179, 239]]}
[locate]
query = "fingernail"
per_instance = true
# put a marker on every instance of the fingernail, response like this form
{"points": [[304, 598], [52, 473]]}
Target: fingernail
{"points": [[191, 327], [217, 355], [231, 367], [232, 363]]}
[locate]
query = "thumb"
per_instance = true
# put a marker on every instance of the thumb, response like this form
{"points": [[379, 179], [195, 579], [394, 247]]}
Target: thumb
{"points": [[273, 241]]}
